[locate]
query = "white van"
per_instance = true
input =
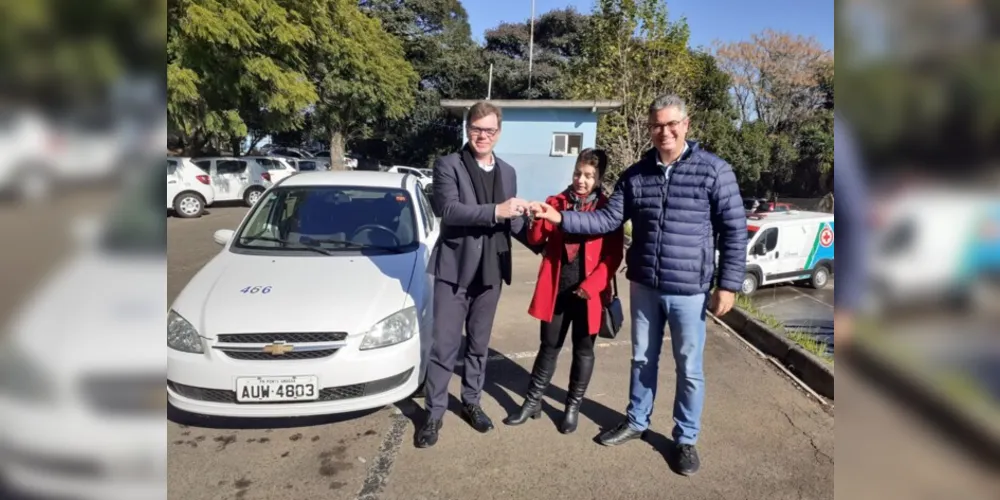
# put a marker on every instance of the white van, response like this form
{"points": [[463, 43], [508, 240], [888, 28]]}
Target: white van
{"points": [[236, 178], [787, 247], [189, 189]]}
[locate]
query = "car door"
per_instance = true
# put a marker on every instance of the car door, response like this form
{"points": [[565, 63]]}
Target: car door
{"points": [[173, 181], [765, 252], [794, 248], [232, 177]]}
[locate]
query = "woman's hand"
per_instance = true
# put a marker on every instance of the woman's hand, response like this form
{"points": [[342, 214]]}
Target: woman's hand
{"points": [[580, 292]]}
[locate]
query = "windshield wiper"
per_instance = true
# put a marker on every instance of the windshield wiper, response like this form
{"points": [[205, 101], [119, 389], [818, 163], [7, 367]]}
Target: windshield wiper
{"points": [[359, 246], [288, 244]]}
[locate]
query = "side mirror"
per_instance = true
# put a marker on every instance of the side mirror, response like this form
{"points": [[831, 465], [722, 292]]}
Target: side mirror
{"points": [[223, 236], [758, 249]]}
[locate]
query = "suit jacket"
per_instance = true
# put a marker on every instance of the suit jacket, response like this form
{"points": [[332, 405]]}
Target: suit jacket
{"points": [[457, 254]]}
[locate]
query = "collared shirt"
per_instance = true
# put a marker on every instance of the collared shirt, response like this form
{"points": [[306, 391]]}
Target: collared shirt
{"points": [[488, 166], [668, 168]]}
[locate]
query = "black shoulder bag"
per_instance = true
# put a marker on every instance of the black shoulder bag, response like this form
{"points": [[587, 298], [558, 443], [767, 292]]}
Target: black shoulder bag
{"points": [[612, 316]]}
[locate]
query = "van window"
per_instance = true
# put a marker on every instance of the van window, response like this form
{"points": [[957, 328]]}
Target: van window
{"points": [[770, 239], [205, 165]]}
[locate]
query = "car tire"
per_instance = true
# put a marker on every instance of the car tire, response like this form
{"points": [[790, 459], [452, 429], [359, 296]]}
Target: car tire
{"points": [[252, 196], [750, 284], [820, 277], [189, 205]]}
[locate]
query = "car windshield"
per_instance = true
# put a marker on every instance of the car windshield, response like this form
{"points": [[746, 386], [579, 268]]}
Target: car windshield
{"points": [[330, 220]]}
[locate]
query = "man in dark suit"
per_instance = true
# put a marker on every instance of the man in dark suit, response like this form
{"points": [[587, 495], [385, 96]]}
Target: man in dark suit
{"points": [[475, 195]]}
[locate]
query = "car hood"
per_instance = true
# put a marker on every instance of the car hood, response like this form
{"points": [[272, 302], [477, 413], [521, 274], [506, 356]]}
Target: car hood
{"points": [[237, 293], [97, 312]]}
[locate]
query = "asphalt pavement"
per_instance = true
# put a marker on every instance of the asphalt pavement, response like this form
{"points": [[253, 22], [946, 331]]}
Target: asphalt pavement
{"points": [[762, 436], [800, 308]]}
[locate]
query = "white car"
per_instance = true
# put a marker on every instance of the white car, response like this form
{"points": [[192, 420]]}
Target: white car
{"points": [[189, 188], [423, 177], [81, 374], [277, 167], [236, 178], [319, 303]]}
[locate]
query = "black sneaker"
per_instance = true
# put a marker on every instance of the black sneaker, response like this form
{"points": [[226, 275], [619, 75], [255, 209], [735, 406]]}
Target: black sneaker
{"points": [[477, 418], [427, 435], [686, 460], [621, 434]]}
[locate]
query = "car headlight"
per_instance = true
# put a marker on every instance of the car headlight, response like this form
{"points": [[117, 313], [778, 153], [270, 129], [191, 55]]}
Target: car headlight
{"points": [[394, 329], [22, 378], [182, 336]]}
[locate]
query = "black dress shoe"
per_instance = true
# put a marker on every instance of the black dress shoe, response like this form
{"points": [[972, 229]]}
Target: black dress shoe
{"points": [[686, 461], [427, 436], [621, 434], [476, 417]]}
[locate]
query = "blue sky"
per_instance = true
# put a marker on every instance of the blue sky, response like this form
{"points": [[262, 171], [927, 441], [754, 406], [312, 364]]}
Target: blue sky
{"points": [[727, 20]]}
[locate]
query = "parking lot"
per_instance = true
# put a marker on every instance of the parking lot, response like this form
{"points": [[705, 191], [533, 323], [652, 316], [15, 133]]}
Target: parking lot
{"points": [[762, 437]]}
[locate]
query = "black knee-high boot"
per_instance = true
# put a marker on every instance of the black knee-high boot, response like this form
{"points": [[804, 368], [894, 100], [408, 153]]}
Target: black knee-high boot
{"points": [[541, 374], [579, 379]]}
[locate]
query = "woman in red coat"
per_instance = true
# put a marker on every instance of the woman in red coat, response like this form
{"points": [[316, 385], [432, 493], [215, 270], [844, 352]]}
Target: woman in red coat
{"points": [[572, 288]]}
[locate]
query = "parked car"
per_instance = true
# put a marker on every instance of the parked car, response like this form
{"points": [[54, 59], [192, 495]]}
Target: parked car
{"points": [[236, 178], [256, 334], [189, 188], [424, 179], [103, 384], [277, 167]]}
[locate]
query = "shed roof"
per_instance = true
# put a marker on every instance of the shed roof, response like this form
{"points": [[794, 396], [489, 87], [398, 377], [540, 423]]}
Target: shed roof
{"points": [[459, 106]]}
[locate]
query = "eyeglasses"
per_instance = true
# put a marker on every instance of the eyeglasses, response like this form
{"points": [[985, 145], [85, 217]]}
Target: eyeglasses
{"points": [[488, 132], [672, 125]]}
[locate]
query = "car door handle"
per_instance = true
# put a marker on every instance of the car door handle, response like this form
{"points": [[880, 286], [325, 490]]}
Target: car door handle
{"points": [[777, 254], [171, 182]]}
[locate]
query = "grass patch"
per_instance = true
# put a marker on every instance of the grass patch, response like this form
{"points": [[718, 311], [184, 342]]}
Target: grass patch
{"points": [[803, 339]]}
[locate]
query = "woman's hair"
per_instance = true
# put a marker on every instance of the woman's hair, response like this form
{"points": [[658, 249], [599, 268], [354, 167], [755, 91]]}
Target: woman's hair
{"points": [[596, 158]]}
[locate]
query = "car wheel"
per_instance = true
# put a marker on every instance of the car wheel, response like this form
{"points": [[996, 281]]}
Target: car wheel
{"points": [[189, 205], [820, 277], [252, 196], [749, 284]]}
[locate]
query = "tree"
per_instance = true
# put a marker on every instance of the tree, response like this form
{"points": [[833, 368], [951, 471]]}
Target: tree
{"points": [[359, 70], [775, 76], [558, 40], [230, 62], [631, 53], [437, 40]]}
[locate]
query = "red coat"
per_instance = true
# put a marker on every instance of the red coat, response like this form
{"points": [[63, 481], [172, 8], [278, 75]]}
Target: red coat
{"points": [[603, 255]]}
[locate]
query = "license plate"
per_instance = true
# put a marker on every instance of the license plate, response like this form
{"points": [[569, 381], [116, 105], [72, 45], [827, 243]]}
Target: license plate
{"points": [[272, 389]]}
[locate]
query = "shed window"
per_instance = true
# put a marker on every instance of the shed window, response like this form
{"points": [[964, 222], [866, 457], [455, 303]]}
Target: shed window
{"points": [[566, 144]]}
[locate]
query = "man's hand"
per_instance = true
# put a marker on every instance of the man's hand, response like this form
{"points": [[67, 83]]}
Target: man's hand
{"points": [[545, 211], [580, 292], [514, 207], [722, 302]]}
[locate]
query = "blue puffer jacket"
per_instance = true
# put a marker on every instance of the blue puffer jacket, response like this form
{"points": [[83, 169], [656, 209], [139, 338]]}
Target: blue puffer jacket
{"points": [[675, 223]]}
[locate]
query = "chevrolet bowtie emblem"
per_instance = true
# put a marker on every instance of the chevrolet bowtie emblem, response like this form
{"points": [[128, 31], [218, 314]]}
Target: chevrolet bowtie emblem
{"points": [[279, 348]]}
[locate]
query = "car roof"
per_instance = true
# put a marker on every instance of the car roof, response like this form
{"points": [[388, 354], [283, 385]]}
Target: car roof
{"points": [[365, 178]]}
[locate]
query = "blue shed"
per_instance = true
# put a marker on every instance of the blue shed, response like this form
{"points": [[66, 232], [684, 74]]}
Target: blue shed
{"points": [[541, 139]]}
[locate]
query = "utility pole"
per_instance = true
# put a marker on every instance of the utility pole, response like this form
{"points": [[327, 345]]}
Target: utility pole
{"points": [[531, 45], [489, 88]]}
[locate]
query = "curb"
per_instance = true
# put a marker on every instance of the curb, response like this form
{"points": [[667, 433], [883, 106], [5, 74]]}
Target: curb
{"points": [[969, 430], [812, 370]]}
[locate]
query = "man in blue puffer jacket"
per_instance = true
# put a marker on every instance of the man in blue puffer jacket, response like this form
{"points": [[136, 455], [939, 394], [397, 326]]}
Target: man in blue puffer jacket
{"points": [[680, 199]]}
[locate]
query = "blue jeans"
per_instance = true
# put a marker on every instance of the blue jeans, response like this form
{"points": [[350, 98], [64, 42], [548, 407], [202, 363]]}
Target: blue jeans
{"points": [[652, 310]]}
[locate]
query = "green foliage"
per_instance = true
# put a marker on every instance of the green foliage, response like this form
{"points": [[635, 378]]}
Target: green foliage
{"points": [[623, 58], [235, 61]]}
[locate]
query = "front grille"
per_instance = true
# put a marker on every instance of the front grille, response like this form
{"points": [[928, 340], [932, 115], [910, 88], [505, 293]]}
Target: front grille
{"points": [[325, 395], [124, 394], [263, 356], [288, 338]]}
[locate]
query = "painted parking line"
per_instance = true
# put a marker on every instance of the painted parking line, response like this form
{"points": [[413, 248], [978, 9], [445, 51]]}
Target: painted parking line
{"points": [[804, 294]]}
